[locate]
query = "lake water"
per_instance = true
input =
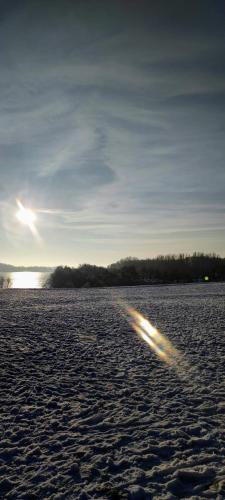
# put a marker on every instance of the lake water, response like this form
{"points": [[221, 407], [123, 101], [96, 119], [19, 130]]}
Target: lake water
{"points": [[22, 279]]}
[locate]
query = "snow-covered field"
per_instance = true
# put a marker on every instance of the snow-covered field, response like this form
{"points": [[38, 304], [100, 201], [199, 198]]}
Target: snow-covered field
{"points": [[88, 411]]}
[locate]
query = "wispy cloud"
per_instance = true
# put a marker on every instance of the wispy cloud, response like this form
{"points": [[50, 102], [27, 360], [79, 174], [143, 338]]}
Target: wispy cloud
{"points": [[113, 118]]}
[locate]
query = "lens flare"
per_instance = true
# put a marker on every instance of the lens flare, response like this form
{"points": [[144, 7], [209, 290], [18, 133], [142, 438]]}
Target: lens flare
{"points": [[27, 217], [159, 343]]}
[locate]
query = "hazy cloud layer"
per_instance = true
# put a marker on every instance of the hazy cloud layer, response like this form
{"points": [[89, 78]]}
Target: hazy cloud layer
{"points": [[112, 123]]}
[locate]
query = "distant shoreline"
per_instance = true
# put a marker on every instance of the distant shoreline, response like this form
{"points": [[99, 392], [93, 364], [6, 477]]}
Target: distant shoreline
{"points": [[8, 268], [162, 270]]}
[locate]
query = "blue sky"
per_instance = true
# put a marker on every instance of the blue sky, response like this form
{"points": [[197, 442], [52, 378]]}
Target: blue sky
{"points": [[112, 128]]}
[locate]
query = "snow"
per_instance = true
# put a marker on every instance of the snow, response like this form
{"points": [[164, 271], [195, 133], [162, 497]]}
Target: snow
{"points": [[88, 411]]}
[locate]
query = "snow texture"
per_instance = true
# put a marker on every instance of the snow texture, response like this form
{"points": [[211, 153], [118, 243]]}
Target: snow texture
{"points": [[88, 411]]}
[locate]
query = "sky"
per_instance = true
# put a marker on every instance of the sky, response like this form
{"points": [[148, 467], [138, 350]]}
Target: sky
{"points": [[111, 129]]}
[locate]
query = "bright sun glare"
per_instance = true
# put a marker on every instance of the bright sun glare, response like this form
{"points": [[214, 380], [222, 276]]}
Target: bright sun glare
{"points": [[27, 217]]}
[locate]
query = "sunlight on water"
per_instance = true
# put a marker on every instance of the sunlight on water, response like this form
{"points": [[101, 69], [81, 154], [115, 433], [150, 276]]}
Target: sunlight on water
{"points": [[24, 279]]}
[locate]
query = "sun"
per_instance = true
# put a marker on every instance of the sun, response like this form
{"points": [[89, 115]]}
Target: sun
{"points": [[25, 215]]}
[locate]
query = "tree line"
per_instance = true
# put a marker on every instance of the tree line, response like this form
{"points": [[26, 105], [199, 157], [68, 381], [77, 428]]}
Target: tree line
{"points": [[132, 271]]}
